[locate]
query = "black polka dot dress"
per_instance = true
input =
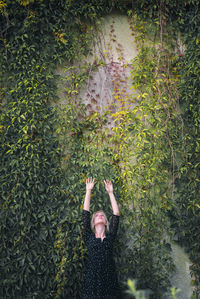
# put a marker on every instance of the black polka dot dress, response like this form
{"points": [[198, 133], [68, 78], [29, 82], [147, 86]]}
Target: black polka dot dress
{"points": [[100, 277]]}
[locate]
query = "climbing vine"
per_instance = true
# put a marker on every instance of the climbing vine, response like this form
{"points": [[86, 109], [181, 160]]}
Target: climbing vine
{"points": [[36, 221], [146, 139], [143, 145]]}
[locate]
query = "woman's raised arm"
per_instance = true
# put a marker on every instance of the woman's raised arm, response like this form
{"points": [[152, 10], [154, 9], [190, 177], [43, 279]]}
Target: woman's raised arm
{"points": [[109, 189], [89, 187]]}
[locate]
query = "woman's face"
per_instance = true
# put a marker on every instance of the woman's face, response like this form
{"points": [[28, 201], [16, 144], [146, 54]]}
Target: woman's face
{"points": [[99, 217]]}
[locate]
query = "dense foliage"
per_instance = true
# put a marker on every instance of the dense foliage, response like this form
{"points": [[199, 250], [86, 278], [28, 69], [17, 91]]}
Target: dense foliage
{"points": [[48, 150], [187, 213], [35, 205]]}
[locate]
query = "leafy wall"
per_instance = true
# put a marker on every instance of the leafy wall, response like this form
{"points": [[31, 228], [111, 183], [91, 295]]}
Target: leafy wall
{"points": [[47, 151]]}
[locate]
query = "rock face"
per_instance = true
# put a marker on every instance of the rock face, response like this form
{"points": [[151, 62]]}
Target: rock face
{"points": [[113, 50], [181, 279], [108, 66]]}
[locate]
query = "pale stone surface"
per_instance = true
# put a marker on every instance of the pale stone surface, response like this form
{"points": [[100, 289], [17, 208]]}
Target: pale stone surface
{"points": [[182, 277], [109, 84], [118, 38]]}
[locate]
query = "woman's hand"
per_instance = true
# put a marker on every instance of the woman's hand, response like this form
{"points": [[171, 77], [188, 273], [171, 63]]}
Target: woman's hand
{"points": [[108, 186], [109, 189], [89, 184], [89, 187]]}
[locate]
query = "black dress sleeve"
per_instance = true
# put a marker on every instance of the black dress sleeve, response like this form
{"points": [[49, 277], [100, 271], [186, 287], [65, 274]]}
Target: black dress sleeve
{"points": [[86, 225], [114, 225]]}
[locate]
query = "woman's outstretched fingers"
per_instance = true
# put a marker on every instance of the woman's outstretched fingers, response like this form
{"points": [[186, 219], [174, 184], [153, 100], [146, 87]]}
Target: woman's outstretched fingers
{"points": [[108, 186], [90, 183], [89, 187]]}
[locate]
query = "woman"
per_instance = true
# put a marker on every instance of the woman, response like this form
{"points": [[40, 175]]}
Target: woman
{"points": [[101, 278]]}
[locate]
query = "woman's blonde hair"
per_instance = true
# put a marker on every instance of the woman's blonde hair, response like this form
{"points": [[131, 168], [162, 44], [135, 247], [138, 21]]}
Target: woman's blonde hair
{"points": [[92, 221]]}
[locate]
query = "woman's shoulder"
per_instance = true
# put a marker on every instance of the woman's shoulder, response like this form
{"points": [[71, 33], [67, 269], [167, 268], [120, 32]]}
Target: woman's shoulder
{"points": [[85, 211]]}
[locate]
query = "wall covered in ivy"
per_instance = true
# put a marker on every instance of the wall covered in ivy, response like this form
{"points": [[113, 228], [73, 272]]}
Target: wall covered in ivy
{"points": [[143, 134]]}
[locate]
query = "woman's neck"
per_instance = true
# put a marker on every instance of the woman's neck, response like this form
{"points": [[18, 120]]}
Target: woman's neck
{"points": [[100, 231]]}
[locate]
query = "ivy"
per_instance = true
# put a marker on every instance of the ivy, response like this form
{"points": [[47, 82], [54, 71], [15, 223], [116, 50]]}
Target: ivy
{"points": [[143, 138], [47, 149], [186, 215]]}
